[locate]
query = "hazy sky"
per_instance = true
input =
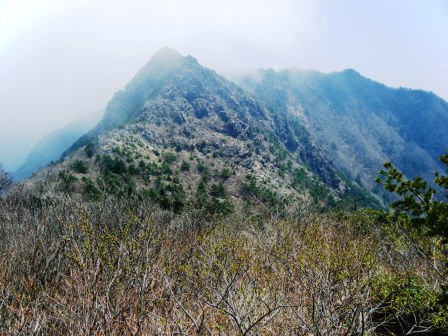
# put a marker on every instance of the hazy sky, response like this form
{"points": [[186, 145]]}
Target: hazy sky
{"points": [[60, 59]]}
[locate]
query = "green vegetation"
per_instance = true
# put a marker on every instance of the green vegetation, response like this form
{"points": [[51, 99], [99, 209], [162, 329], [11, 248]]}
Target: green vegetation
{"points": [[113, 165], [169, 157], [213, 200], [225, 173], [417, 201], [218, 190], [422, 216], [201, 167], [185, 166], [204, 171], [171, 196], [410, 302], [89, 149], [80, 167], [66, 181], [251, 189], [91, 190], [319, 192]]}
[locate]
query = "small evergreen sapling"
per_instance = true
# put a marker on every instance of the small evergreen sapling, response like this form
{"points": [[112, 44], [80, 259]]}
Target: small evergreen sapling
{"points": [[417, 199]]}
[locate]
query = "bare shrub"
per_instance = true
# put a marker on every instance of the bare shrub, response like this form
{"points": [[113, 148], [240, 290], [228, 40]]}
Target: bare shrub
{"points": [[124, 266], [5, 180]]}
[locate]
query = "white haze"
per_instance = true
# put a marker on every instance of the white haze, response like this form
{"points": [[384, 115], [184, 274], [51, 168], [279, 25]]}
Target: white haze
{"points": [[62, 59]]}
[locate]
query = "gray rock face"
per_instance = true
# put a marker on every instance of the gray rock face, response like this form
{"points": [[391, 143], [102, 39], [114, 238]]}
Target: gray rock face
{"points": [[201, 101], [174, 103]]}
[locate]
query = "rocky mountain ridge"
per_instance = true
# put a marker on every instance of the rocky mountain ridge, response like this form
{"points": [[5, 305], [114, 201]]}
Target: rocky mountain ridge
{"points": [[359, 123], [179, 129]]}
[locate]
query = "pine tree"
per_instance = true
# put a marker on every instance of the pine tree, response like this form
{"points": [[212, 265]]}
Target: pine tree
{"points": [[417, 199]]}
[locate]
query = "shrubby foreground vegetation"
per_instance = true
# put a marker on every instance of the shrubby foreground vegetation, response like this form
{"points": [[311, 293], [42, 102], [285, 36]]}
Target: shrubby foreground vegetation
{"points": [[131, 268], [123, 265]]}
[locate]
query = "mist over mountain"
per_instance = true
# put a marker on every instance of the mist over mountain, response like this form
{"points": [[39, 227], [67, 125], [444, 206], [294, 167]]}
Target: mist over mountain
{"points": [[358, 122], [173, 104], [309, 119], [51, 147], [178, 126]]}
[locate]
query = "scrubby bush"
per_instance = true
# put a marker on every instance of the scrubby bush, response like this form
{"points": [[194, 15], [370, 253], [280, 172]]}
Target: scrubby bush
{"points": [[66, 181], [91, 190], [114, 165], [169, 157], [185, 166], [89, 149], [80, 167], [225, 173]]}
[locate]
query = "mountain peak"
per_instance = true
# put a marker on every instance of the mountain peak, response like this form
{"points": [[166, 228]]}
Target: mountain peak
{"points": [[351, 73], [161, 63], [166, 54], [149, 82]]}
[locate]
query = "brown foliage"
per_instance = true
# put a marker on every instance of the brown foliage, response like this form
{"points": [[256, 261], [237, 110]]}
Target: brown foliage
{"points": [[122, 266]]}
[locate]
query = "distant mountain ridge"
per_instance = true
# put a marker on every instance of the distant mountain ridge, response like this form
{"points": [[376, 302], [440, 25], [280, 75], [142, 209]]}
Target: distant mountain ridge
{"points": [[358, 122], [51, 147]]}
